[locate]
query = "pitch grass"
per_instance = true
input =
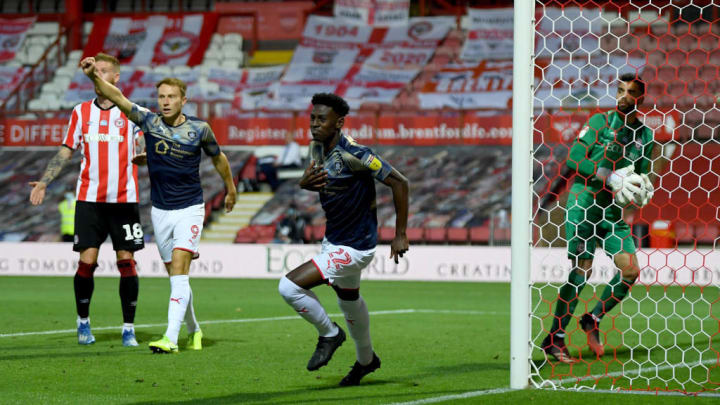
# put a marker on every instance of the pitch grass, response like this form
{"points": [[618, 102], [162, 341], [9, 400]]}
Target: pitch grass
{"points": [[462, 348]]}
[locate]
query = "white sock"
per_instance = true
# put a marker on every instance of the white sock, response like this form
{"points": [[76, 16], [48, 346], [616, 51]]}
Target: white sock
{"points": [[82, 320], [179, 297], [129, 326], [357, 320], [190, 321], [307, 304]]}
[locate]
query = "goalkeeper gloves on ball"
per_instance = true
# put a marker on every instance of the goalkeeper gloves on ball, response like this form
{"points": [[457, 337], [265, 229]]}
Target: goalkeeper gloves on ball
{"points": [[648, 191], [625, 185]]}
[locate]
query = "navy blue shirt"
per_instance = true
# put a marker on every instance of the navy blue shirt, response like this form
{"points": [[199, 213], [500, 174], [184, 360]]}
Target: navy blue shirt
{"points": [[173, 157], [349, 197]]}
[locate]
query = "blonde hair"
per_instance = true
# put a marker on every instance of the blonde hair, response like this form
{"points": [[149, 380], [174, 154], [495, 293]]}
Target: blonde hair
{"points": [[103, 57], [173, 81]]}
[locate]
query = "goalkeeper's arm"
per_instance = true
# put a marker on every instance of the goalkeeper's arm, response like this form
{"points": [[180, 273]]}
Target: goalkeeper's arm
{"points": [[578, 160]]}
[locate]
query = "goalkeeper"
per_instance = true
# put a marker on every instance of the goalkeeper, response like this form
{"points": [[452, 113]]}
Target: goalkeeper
{"points": [[611, 158]]}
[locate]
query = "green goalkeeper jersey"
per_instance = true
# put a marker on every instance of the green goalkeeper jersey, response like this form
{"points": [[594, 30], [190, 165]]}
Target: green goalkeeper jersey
{"points": [[606, 143]]}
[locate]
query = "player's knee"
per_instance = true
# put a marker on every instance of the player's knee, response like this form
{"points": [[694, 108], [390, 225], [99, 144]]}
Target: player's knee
{"points": [[288, 290], [86, 270], [347, 294], [127, 268]]}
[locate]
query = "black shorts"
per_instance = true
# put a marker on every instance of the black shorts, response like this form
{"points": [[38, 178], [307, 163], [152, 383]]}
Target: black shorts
{"points": [[95, 221]]}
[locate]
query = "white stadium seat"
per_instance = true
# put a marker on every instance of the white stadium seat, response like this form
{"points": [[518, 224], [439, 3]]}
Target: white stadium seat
{"points": [[45, 28], [163, 70], [75, 55], [232, 63], [233, 38], [179, 70], [36, 105], [62, 82]]}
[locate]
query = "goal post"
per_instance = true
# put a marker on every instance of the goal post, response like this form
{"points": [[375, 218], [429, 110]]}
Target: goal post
{"points": [[664, 332], [522, 152]]}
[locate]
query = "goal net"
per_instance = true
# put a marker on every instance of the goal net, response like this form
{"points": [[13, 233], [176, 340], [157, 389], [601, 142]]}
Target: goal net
{"points": [[664, 333]]}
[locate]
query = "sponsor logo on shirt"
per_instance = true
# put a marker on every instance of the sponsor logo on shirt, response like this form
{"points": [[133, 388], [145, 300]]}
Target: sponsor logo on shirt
{"points": [[103, 137], [161, 147], [103, 123]]}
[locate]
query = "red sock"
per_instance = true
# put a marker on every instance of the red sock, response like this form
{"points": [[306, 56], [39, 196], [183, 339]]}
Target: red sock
{"points": [[86, 270], [126, 268]]}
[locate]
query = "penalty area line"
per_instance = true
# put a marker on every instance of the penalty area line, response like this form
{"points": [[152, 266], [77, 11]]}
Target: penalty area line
{"points": [[251, 320]]}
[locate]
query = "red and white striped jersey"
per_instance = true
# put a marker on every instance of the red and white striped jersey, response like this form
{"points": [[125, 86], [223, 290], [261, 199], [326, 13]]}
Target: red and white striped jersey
{"points": [[106, 139]]}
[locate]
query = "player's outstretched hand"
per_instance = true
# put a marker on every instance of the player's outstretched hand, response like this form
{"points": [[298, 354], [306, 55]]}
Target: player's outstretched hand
{"points": [[314, 178], [88, 66], [398, 247], [140, 159], [37, 195], [230, 201]]}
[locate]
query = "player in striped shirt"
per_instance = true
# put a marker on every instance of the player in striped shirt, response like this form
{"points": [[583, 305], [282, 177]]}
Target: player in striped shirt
{"points": [[174, 145], [107, 198]]}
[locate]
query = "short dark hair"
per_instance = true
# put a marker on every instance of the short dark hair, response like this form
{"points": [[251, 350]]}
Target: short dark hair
{"points": [[632, 77], [337, 103]]}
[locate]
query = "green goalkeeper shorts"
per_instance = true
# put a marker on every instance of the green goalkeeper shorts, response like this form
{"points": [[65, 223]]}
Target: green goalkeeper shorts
{"points": [[583, 233]]}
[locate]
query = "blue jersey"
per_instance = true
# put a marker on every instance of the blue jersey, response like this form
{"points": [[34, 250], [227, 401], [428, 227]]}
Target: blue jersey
{"points": [[173, 157], [349, 197]]}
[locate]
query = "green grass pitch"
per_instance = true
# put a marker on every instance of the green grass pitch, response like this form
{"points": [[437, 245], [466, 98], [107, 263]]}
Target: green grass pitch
{"points": [[439, 343]]}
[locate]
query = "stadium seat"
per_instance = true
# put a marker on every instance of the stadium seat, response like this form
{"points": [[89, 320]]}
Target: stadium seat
{"points": [[436, 235], [233, 38], [479, 234], [706, 234], [457, 235], [265, 231], [415, 234], [386, 234]]}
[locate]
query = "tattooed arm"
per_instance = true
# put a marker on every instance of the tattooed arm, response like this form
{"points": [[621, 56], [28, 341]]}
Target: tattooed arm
{"points": [[53, 169]]}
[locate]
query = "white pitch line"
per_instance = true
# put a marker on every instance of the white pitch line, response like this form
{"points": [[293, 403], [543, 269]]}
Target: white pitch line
{"points": [[464, 395], [249, 320]]}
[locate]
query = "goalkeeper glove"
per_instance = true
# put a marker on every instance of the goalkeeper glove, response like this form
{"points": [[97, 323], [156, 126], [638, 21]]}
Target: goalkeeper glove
{"points": [[625, 184], [648, 191]]}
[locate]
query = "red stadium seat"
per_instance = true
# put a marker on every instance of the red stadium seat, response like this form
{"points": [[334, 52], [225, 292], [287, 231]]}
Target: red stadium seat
{"points": [[265, 231], [684, 234], [458, 235], [415, 234], [436, 235], [706, 234], [308, 234], [386, 234], [479, 234]]}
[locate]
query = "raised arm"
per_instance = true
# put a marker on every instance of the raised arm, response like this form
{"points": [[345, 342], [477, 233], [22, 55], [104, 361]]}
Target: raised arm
{"points": [[223, 168], [107, 90], [400, 191], [54, 167]]}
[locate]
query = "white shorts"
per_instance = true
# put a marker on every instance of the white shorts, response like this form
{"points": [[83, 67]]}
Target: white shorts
{"points": [[342, 266], [178, 229]]}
